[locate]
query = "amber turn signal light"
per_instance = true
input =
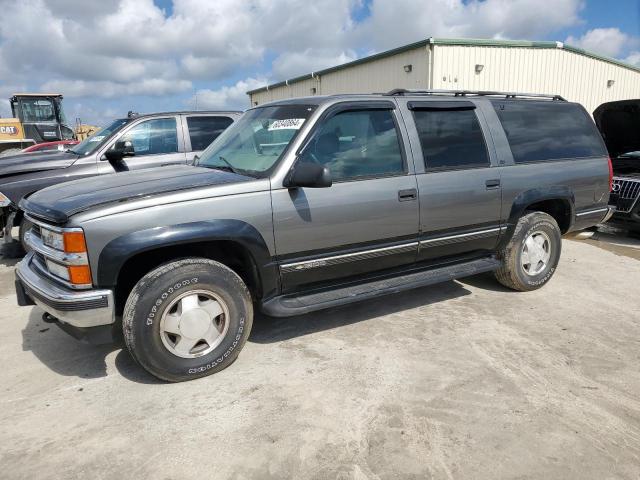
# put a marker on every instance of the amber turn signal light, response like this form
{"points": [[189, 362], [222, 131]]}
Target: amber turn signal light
{"points": [[79, 274], [74, 242]]}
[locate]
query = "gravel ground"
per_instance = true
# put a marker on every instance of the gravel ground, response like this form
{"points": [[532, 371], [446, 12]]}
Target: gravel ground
{"points": [[460, 380]]}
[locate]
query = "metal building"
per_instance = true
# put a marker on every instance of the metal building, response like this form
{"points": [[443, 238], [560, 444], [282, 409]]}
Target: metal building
{"points": [[465, 64]]}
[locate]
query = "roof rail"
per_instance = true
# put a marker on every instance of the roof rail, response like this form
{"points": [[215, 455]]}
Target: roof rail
{"points": [[464, 93]]}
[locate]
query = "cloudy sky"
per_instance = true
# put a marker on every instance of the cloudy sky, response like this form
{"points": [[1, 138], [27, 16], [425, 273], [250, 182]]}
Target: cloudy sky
{"points": [[111, 56]]}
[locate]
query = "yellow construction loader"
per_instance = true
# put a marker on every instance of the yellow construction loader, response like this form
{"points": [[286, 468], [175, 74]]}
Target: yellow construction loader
{"points": [[37, 118]]}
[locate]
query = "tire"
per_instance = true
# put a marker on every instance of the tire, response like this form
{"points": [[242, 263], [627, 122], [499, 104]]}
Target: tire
{"points": [[515, 272], [25, 225], [162, 294]]}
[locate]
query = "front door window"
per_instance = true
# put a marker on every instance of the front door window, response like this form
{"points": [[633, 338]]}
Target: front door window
{"points": [[153, 137]]}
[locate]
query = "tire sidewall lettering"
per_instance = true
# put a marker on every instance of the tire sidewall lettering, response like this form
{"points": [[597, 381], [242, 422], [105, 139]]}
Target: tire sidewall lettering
{"points": [[163, 296], [225, 355], [548, 228]]}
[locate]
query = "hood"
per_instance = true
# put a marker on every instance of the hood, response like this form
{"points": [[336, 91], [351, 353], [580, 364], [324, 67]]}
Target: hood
{"points": [[34, 162], [619, 124], [59, 202]]}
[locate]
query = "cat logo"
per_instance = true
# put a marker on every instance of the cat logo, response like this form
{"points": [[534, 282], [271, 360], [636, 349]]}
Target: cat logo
{"points": [[8, 130]]}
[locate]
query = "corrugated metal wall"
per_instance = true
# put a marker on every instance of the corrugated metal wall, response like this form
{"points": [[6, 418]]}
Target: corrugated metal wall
{"points": [[377, 76], [576, 77], [300, 88], [381, 75]]}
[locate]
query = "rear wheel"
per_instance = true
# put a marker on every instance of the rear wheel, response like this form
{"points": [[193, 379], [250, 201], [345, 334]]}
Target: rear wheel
{"points": [[187, 319], [531, 256]]}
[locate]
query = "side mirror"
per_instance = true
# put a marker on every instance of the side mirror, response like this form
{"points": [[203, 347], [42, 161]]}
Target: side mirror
{"points": [[121, 149], [309, 175]]}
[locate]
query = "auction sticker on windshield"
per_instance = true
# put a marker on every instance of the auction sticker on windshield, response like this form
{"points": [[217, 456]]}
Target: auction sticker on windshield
{"points": [[287, 123], [97, 138]]}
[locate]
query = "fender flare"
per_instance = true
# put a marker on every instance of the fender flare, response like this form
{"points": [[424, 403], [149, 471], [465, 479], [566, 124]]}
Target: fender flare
{"points": [[121, 249], [535, 195]]}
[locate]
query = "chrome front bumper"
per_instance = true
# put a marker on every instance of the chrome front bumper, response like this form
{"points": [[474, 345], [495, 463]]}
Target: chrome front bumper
{"points": [[78, 308]]}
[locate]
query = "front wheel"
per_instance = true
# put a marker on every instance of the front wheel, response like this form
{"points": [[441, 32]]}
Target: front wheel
{"points": [[25, 226], [187, 319], [530, 258]]}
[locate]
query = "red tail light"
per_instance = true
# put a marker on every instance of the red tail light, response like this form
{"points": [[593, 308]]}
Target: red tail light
{"points": [[610, 175]]}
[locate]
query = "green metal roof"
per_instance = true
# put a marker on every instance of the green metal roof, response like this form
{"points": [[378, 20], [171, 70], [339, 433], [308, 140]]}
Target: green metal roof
{"points": [[471, 42]]}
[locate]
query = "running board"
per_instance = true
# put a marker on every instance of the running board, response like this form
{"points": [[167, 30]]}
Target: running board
{"points": [[288, 305]]}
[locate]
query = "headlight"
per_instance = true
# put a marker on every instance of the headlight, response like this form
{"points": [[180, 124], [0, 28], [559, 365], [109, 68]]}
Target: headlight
{"points": [[57, 269], [72, 268], [52, 239], [69, 242], [4, 200]]}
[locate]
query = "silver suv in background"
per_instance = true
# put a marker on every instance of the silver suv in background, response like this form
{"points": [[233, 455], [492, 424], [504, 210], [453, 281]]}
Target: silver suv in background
{"points": [[131, 143], [311, 203]]}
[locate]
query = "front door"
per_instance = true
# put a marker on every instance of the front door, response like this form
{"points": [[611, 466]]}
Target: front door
{"points": [[155, 143], [367, 220]]}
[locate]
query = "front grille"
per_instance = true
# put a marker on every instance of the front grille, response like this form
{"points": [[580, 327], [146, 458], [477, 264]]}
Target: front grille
{"points": [[35, 229], [625, 193]]}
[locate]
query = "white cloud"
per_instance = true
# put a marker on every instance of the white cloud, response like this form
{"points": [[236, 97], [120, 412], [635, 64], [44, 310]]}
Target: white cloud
{"points": [[226, 98], [291, 64], [108, 89], [402, 21], [606, 41], [125, 41], [633, 58], [6, 90], [114, 48]]}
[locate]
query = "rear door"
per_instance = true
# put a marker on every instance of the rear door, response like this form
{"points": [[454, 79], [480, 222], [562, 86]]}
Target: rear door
{"points": [[368, 219], [200, 130], [458, 178]]}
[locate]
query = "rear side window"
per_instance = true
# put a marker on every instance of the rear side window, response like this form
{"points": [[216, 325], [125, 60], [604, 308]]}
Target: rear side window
{"points": [[539, 131], [451, 139], [204, 130], [358, 143]]}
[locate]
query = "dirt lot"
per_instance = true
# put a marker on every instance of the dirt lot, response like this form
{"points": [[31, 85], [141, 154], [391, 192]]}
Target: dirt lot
{"points": [[461, 380]]}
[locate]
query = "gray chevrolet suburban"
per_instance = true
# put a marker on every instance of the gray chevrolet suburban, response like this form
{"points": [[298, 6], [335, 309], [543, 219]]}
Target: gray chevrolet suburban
{"points": [[310, 203], [130, 143]]}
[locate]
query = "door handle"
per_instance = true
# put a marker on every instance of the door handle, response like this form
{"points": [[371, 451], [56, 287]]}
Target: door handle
{"points": [[493, 183], [406, 195]]}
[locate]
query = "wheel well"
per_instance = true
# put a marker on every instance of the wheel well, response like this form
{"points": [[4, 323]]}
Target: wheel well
{"points": [[18, 218], [559, 209], [229, 253]]}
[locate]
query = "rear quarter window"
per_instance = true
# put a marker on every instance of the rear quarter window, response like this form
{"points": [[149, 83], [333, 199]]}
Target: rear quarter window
{"points": [[542, 131], [203, 130]]}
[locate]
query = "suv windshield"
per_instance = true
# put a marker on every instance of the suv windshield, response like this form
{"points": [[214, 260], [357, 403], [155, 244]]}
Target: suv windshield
{"points": [[90, 144], [255, 143]]}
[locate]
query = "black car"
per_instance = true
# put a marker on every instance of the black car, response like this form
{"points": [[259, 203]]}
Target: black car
{"points": [[619, 123], [131, 143]]}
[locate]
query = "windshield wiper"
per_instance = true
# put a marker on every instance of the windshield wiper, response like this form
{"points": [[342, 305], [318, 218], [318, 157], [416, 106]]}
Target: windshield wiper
{"points": [[227, 166]]}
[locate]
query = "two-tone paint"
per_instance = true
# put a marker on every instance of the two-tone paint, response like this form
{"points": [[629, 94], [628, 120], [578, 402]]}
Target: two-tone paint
{"points": [[306, 238]]}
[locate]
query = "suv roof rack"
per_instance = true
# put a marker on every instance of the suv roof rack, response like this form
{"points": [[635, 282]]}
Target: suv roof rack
{"points": [[464, 93]]}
